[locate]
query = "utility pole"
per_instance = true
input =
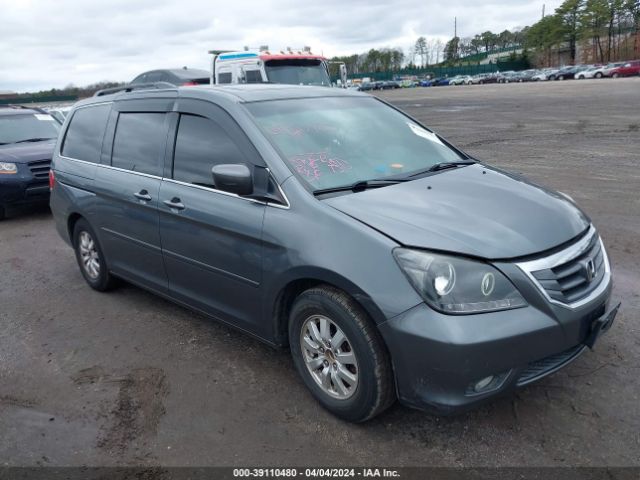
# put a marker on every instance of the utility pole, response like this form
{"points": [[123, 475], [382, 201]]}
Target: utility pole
{"points": [[543, 5], [455, 27]]}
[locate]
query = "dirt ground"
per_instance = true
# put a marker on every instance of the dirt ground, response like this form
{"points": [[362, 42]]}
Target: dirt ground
{"points": [[126, 378]]}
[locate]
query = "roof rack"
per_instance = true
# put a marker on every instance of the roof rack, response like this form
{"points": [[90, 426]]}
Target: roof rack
{"points": [[137, 86]]}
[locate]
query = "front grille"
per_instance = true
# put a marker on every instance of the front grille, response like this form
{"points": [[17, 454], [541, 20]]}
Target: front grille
{"points": [[540, 368], [570, 281], [40, 169]]}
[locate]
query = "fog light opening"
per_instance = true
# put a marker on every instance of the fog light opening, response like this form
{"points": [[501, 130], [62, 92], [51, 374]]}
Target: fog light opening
{"points": [[483, 384], [487, 384]]}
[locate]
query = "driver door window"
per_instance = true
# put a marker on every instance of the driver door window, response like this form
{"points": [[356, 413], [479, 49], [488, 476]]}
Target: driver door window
{"points": [[200, 145]]}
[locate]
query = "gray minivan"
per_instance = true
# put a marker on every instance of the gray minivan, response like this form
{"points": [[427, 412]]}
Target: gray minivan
{"points": [[392, 264]]}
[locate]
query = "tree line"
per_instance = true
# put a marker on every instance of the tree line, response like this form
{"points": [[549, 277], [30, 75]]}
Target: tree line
{"points": [[375, 60], [608, 30]]}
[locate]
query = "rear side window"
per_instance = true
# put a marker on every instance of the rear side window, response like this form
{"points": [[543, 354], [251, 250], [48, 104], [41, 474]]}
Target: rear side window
{"points": [[200, 144], [139, 142], [83, 139]]}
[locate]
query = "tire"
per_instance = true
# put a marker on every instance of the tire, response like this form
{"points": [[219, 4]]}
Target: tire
{"points": [[560, 78], [598, 75], [370, 389], [2, 213], [91, 260], [615, 75]]}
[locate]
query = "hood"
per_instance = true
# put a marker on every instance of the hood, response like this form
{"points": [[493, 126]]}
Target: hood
{"points": [[27, 152], [472, 210]]}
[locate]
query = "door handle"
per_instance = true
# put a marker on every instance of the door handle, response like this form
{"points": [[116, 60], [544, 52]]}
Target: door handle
{"points": [[143, 195], [174, 203]]}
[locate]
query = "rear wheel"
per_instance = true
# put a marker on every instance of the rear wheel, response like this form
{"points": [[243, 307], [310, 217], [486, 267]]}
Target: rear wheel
{"points": [[90, 257], [340, 355], [598, 75], [615, 75]]}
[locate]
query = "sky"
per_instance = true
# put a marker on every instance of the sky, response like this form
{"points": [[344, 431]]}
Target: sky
{"points": [[53, 43]]}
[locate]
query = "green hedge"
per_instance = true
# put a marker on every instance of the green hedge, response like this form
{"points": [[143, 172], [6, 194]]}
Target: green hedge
{"points": [[38, 99]]}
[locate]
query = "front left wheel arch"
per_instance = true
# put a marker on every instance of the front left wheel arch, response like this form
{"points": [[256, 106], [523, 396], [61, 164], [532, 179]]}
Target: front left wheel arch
{"points": [[282, 298]]}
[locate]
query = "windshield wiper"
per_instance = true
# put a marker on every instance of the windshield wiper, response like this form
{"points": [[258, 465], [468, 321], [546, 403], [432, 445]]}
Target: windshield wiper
{"points": [[361, 185], [35, 139], [442, 166]]}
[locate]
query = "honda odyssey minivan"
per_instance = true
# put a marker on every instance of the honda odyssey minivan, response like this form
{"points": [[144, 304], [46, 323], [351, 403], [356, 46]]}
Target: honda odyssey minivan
{"points": [[392, 264]]}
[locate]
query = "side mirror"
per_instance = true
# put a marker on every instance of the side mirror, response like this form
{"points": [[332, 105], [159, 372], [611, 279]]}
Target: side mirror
{"points": [[233, 178]]}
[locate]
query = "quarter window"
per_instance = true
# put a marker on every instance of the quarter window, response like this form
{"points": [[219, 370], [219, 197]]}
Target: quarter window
{"points": [[224, 77], [253, 76], [83, 139], [200, 144], [139, 142]]}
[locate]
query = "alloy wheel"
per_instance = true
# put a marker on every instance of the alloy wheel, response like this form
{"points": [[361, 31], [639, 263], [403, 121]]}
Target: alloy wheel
{"points": [[329, 357], [89, 255]]}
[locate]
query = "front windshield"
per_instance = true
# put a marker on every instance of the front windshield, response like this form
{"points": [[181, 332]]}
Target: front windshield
{"points": [[336, 141], [298, 72], [21, 127]]}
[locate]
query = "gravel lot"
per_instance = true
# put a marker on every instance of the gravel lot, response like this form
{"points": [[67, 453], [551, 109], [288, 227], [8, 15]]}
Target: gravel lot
{"points": [[126, 378]]}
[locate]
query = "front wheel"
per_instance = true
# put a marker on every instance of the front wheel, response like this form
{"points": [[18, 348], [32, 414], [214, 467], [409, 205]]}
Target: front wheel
{"points": [[598, 75], [615, 75], [90, 257], [340, 355]]}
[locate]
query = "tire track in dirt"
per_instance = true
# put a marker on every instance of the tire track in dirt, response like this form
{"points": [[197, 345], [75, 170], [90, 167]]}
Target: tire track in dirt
{"points": [[133, 421]]}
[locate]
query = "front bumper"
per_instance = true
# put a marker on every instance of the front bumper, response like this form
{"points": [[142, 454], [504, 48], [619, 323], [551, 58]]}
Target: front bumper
{"points": [[23, 188], [438, 359]]}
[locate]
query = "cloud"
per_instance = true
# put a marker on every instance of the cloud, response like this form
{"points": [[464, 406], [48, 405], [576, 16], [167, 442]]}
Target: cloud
{"points": [[49, 44]]}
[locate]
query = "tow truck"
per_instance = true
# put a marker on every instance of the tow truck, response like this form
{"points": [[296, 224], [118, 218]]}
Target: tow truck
{"points": [[289, 66]]}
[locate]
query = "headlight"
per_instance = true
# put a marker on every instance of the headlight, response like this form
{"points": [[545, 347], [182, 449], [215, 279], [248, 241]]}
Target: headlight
{"points": [[457, 285], [8, 168]]}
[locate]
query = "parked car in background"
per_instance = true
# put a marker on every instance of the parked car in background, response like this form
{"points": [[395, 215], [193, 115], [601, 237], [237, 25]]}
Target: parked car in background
{"points": [[27, 139], [542, 75], [628, 69], [389, 85], [483, 78], [524, 76], [601, 71], [176, 76], [552, 73], [588, 73], [460, 80], [425, 82], [506, 77], [366, 86], [392, 264], [569, 73], [440, 82]]}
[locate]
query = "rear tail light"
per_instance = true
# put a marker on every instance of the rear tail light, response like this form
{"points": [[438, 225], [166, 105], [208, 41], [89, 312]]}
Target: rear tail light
{"points": [[189, 84], [52, 179]]}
